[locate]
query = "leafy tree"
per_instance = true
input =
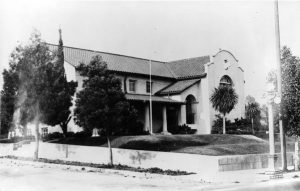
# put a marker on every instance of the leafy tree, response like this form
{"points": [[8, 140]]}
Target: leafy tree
{"points": [[264, 117], [252, 112], [250, 99], [44, 95], [60, 94], [101, 104], [8, 99], [290, 101], [290, 92], [34, 67], [223, 99]]}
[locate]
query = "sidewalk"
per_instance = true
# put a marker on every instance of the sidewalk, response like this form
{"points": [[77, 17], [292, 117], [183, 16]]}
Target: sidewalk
{"points": [[201, 181], [245, 178]]}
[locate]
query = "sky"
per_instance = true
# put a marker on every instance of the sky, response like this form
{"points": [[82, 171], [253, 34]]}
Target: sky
{"points": [[159, 30]]}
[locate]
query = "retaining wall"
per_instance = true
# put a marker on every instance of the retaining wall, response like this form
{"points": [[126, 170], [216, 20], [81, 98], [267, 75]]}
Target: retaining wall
{"points": [[133, 158], [144, 159], [253, 161]]}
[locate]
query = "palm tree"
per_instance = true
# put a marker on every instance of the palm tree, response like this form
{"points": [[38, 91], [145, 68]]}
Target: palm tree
{"points": [[252, 110], [223, 99]]}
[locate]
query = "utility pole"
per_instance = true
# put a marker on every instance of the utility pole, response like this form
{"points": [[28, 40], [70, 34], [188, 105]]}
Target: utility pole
{"points": [[271, 158], [150, 100], [279, 91]]}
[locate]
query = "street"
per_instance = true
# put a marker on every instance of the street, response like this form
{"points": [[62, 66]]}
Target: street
{"points": [[16, 175], [276, 185], [30, 176]]}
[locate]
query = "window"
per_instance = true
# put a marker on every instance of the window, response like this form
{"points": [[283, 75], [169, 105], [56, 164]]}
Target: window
{"points": [[29, 132], [190, 109], [148, 87], [225, 81], [132, 85], [44, 131]]}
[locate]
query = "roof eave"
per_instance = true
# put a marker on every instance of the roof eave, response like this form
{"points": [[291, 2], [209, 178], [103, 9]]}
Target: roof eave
{"points": [[178, 92]]}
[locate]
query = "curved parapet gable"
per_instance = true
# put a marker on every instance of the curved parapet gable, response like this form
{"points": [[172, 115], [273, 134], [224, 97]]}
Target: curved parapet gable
{"points": [[228, 53]]}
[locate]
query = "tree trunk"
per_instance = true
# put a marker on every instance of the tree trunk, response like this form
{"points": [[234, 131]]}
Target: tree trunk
{"points": [[253, 132], [37, 137], [224, 125], [296, 157], [110, 152], [64, 128]]}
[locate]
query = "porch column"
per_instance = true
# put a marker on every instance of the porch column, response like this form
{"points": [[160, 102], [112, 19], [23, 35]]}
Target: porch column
{"points": [[182, 119], [147, 121], [165, 125]]}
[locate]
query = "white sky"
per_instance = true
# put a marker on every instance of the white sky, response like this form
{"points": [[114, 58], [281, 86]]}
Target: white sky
{"points": [[159, 30]]}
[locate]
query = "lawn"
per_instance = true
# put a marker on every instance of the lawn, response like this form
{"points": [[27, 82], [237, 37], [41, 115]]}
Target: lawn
{"points": [[196, 144]]}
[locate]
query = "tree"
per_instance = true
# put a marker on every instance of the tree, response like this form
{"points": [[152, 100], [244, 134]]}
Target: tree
{"points": [[34, 68], [252, 112], [8, 99], [60, 95], [101, 104], [290, 91], [290, 68], [264, 117], [223, 99], [250, 99]]}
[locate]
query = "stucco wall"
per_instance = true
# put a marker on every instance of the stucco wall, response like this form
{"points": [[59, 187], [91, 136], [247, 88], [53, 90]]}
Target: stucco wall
{"points": [[145, 159], [197, 92], [134, 158], [216, 70], [255, 161], [70, 72], [206, 105], [141, 84]]}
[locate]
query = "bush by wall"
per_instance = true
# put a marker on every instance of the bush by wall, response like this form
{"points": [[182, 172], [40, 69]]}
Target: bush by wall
{"points": [[239, 126], [17, 139], [182, 129]]}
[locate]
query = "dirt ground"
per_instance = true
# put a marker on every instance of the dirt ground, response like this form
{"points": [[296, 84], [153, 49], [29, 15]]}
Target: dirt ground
{"points": [[16, 175]]}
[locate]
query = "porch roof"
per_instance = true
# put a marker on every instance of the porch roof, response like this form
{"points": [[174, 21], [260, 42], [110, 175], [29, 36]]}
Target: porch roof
{"points": [[178, 87], [140, 97]]}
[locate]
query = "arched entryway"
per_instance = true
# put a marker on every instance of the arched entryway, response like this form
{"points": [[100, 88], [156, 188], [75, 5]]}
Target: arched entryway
{"points": [[191, 109]]}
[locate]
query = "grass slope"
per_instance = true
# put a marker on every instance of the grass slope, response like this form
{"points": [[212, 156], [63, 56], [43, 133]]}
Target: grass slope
{"points": [[194, 144]]}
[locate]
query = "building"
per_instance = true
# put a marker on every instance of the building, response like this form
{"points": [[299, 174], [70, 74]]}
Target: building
{"points": [[180, 89]]}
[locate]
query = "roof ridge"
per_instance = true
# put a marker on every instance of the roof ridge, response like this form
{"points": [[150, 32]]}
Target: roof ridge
{"points": [[170, 70], [188, 59], [108, 53]]}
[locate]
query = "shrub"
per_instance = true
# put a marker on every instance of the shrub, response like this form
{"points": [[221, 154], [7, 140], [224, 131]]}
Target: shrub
{"points": [[182, 129], [217, 127], [136, 128], [52, 136], [239, 126], [70, 134], [82, 134]]}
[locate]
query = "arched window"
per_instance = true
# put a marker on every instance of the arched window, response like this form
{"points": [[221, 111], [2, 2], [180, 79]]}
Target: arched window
{"points": [[190, 109], [225, 81]]}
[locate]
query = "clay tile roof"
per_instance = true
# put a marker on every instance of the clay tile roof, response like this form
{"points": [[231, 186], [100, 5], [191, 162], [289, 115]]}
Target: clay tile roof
{"points": [[178, 87], [189, 67], [180, 69], [115, 62]]}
